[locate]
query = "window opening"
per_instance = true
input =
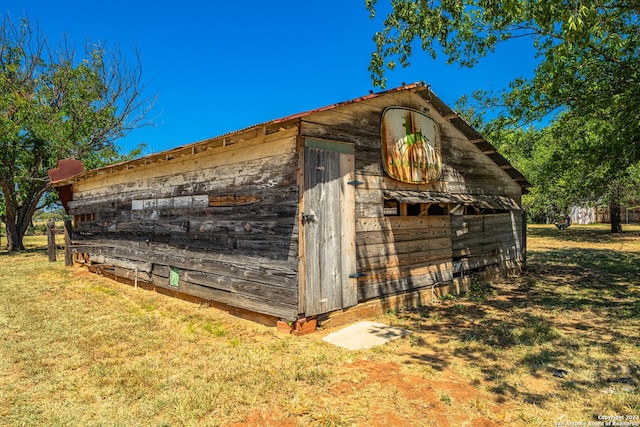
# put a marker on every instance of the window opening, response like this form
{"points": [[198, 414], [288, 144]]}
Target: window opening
{"points": [[413, 209], [436, 209], [473, 210], [77, 219], [395, 208], [391, 208]]}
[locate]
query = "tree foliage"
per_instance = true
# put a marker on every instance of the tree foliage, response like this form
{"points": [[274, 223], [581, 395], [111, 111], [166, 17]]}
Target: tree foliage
{"points": [[586, 83], [568, 161], [56, 104], [591, 46]]}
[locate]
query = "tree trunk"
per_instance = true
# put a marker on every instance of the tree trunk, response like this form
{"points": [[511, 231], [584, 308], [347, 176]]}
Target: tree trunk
{"points": [[614, 214], [18, 217], [14, 239], [16, 229]]}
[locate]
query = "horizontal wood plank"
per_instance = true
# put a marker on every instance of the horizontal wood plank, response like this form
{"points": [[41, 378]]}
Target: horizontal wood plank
{"points": [[401, 223], [368, 263], [260, 269], [440, 269], [403, 247], [247, 302]]}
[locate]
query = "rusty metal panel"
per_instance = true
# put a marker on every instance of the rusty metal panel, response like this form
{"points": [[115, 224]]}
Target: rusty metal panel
{"points": [[66, 169]]}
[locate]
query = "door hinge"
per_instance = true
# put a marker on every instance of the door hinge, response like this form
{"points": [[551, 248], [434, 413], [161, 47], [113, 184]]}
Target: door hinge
{"points": [[356, 275], [306, 218], [355, 183]]}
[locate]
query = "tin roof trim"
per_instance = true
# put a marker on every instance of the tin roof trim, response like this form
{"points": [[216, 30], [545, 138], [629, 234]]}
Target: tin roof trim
{"points": [[485, 201]]}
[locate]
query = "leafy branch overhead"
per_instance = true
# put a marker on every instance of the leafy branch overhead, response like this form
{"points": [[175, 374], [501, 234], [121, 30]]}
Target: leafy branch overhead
{"points": [[586, 83], [586, 49], [56, 104]]}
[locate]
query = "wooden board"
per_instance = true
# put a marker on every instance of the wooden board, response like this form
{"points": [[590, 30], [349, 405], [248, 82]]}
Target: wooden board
{"points": [[329, 231], [193, 178], [402, 254], [348, 230], [180, 170]]}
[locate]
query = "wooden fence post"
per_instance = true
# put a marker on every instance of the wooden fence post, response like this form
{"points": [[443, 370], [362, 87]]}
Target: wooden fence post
{"points": [[51, 241], [68, 229], [524, 239]]}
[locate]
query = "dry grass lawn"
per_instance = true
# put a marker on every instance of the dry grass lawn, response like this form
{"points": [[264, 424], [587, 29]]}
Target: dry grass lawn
{"points": [[559, 344]]}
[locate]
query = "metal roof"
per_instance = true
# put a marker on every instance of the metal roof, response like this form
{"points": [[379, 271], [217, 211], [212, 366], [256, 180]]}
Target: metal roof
{"points": [[471, 134]]}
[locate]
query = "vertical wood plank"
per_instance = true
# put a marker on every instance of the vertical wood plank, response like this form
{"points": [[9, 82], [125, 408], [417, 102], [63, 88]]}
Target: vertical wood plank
{"points": [[51, 241], [331, 268], [68, 230], [302, 270], [312, 276], [348, 230]]}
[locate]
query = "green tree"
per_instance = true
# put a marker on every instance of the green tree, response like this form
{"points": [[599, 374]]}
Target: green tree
{"points": [[588, 68], [56, 105], [568, 162], [577, 158]]}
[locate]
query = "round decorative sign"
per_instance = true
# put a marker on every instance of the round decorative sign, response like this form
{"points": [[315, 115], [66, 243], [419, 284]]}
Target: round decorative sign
{"points": [[411, 147]]}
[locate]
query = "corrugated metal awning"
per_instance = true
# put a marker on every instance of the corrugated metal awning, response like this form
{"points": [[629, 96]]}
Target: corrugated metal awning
{"points": [[478, 200]]}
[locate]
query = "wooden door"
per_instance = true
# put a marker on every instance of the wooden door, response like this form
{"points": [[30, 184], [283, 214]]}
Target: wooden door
{"points": [[329, 227]]}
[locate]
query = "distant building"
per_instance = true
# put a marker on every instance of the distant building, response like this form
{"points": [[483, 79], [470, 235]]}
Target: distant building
{"points": [[599, 214]]}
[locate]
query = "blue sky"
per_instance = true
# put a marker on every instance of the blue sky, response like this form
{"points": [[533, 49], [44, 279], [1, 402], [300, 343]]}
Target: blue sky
{"points": [[221, 66]]}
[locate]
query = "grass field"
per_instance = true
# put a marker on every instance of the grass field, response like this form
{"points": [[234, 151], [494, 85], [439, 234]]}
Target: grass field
{"points": [[559, 344]]}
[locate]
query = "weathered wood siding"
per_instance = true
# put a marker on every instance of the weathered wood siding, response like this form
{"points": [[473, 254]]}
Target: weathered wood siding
{"points": [[402, 253], [220, 224], [398, 254], [479, 241]]}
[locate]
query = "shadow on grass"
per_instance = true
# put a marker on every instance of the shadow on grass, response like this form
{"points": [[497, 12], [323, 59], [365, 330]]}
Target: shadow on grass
{"points": [[585, 234], [29, 250], [569, 304], [619, 266]]}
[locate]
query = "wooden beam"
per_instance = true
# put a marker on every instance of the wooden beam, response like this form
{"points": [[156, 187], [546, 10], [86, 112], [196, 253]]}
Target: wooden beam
{"points": [[302, 270], [51, 241], [477, 140], [68, 231], [232, 200]]}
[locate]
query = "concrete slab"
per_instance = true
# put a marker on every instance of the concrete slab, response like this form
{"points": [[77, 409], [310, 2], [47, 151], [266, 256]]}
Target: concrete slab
{"points": [[363, 335]]}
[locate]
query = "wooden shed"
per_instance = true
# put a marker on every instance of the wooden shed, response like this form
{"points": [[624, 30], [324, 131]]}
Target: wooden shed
{"points": [[386, 195]]}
